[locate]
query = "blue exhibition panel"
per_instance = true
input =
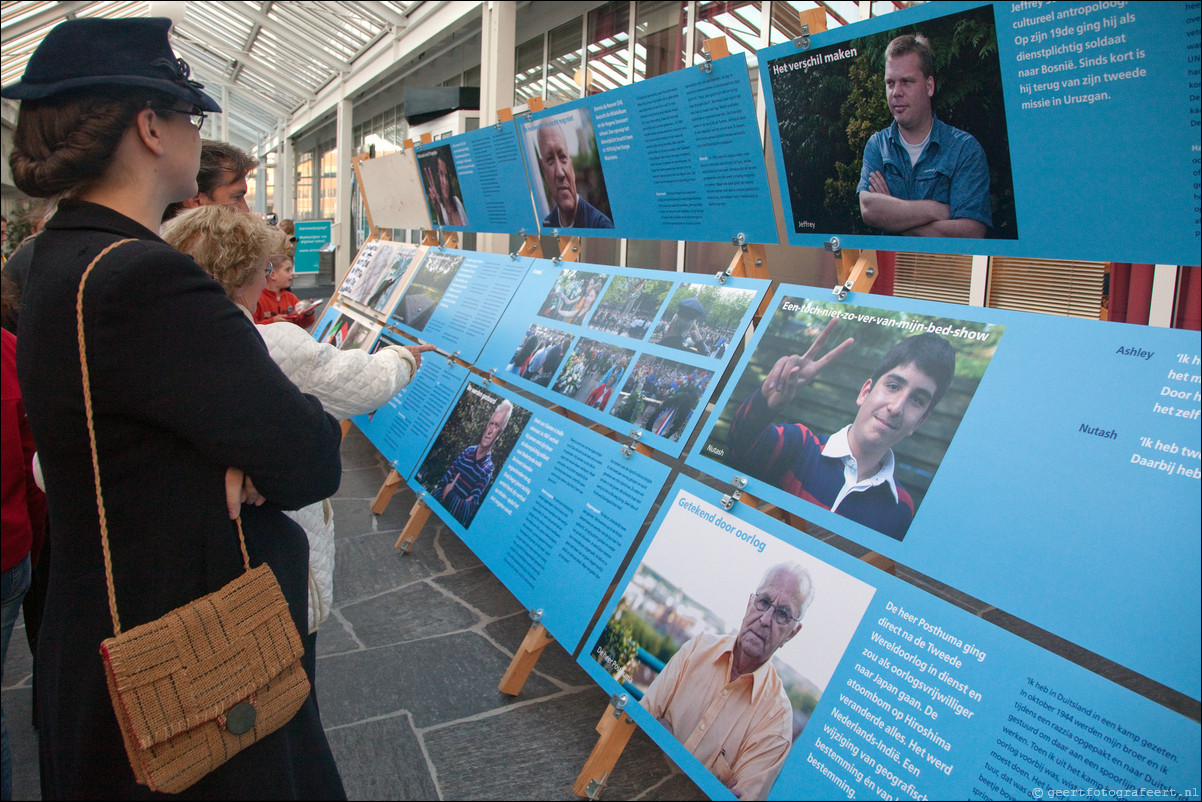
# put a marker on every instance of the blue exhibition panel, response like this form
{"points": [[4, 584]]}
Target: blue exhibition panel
{"points": [[675, 157], [639, 351], [553, 509], [1062, 465], [456, 298], [1050, 91], [893, 693], [403, 428], [482, 175]]}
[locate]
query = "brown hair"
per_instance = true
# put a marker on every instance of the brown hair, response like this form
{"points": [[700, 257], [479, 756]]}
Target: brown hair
{"points": [[230, 245], [913, 43], [64, 144], [220, 163]]}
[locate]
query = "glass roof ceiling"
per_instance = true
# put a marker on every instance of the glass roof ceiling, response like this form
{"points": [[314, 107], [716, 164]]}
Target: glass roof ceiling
{"points": [[271, 57]]}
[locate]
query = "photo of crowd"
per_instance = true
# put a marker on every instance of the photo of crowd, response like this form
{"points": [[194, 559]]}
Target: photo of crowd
{"points": [[702, 319], [661, 395], [629, 306], [573, 296], [592, 372], [540, 354]]}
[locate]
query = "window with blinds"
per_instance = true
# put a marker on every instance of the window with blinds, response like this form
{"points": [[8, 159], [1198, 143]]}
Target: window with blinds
{"points": [[1050, 286], [933, 277]]}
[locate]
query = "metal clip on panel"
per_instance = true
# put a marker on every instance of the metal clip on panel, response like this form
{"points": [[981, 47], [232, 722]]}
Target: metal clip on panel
{"points": [[803, 41], [729, 499], [629, 448]]}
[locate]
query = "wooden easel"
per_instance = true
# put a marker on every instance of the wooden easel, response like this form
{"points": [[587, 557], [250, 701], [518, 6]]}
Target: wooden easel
{"points": [[526, 656], [855, 270], [371, 224]]}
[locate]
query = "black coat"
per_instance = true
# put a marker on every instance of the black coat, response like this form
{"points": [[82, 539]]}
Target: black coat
{"points": [[183, 387]]}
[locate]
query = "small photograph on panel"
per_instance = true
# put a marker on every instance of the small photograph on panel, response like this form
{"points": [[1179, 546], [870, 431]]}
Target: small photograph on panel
{"points": [[470, 450], [562, 155], [441, 181], [346, 333], [661, 395], [899, 133], [573, 296], [853, 408], [540, 353], [702, 319], [729, 637], [592, 373], [400, 259], [357, 269], [424, 293], [629, 306]]}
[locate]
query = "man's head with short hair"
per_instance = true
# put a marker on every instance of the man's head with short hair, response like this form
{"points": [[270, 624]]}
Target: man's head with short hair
{"points": [[773, 615], [899, 396], [913, 43], [221, 179], [910, 83], [559, 173], [930, 353], [496, 424]]}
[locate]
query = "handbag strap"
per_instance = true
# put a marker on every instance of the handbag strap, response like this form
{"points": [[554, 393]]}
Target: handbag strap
{"points": [[87, 405]]}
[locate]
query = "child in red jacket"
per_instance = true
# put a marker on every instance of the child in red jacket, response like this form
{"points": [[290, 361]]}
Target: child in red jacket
{"points": [[276, 303]]}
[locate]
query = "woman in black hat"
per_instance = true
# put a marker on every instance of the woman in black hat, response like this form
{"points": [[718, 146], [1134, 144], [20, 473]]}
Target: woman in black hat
{"points": [[182, 388]]}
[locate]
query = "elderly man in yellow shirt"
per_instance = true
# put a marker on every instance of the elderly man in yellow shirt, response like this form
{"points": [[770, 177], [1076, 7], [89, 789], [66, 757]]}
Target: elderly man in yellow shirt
{"points": [[720, 696]]}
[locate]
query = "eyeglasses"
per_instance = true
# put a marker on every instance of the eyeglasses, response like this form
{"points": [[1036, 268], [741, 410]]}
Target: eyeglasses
{"points": [[195, 115], [781, 613]]}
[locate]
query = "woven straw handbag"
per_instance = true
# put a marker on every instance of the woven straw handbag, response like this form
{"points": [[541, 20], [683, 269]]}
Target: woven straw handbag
{"points": [[205, 681]]}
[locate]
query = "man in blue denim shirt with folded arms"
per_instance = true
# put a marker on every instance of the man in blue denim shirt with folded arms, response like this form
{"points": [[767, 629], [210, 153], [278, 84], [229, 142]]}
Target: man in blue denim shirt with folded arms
{"points": [[922, 177]]}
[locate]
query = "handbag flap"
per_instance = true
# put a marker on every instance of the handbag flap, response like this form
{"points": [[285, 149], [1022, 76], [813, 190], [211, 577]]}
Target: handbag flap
{"points": [[196, 662]]}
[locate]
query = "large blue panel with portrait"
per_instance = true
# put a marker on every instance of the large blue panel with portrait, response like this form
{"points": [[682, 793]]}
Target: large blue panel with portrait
{"points": [[1065, 131], [1047, 465], [770, 665], [551, 507], [676, 157], [477, 181]]}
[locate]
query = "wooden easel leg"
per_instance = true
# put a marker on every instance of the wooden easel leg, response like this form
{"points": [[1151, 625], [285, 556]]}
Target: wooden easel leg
{"points": [[417, 519], [614, 729], [569, 249], [346, 427], [385, 495], [523, 661], [531, 247]]}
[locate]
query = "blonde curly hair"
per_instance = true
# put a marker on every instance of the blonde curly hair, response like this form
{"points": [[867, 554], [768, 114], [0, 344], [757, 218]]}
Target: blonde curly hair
{"points": [[232, 246]]}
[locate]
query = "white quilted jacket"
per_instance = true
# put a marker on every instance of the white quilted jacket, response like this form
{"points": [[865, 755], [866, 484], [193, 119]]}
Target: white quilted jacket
{"points": [[347, 383]]}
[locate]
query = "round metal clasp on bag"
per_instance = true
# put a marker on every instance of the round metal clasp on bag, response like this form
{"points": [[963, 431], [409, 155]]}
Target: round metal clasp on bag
{"points": [[241, 718]]}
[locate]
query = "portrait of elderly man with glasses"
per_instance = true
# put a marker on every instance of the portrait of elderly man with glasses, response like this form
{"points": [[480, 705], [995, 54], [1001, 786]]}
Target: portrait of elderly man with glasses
{"points": [[720, 696]]}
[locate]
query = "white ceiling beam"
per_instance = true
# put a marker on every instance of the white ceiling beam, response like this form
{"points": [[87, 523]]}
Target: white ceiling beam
{"points": [[299, 38], [230, 54], [52, 13], [387, 14]]}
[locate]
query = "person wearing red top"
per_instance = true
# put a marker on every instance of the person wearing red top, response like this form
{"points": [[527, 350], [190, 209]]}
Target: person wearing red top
{"points": [[276, 303], [22, 517]]}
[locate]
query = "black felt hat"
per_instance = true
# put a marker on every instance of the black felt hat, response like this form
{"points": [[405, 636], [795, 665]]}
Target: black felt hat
{"points": [[108, 52]]}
